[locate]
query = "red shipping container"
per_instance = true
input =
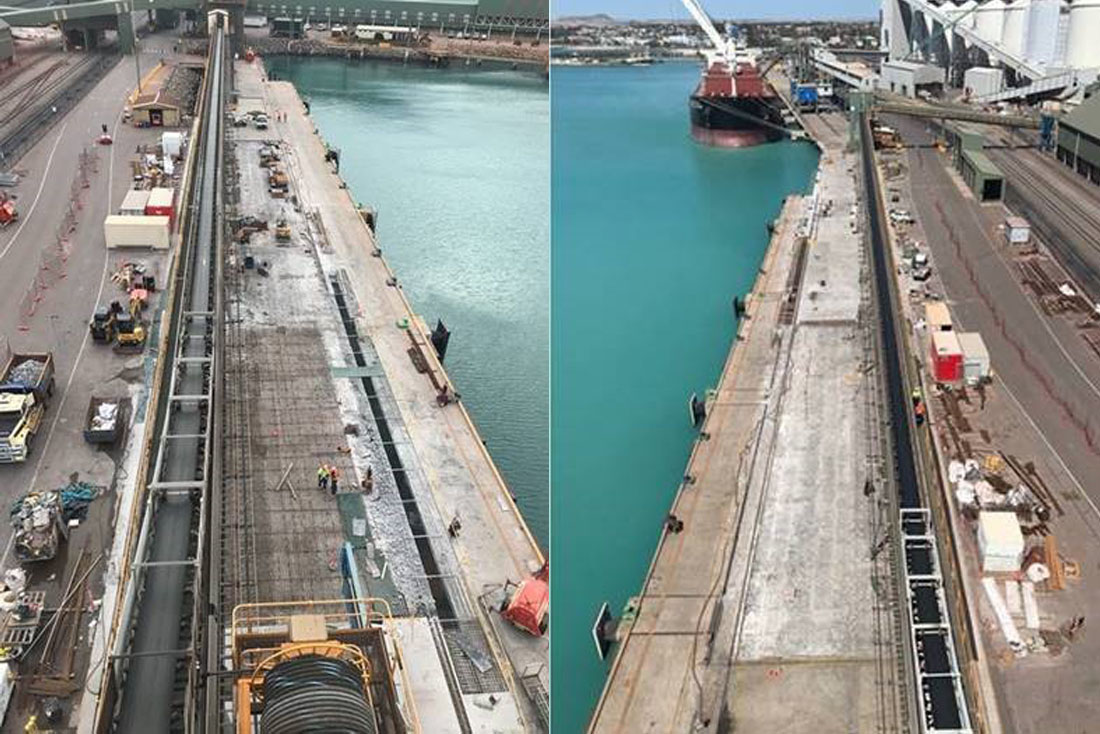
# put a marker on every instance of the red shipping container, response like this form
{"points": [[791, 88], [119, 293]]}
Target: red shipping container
{"points": [[947, 357], [161, 204]]}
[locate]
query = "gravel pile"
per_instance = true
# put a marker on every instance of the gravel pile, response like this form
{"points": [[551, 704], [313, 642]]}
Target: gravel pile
{"points": [[183, 86]]}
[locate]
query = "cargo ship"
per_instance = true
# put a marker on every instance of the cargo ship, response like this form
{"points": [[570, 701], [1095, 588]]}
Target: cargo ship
{"points": [[734, 107]]}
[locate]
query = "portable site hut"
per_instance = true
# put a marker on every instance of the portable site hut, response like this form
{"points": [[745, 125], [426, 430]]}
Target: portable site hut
{"points": [[151, 104], [937, 316], [1000, 542], [1017, 230], [947, 357], [976, 364], [134, 203], [160, 203], [140, 231]]}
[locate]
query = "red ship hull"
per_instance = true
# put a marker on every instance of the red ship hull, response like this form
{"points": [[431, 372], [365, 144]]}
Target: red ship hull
{"points": [[735, 110]]}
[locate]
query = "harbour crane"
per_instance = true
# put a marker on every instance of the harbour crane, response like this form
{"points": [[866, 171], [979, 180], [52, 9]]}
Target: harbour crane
{"points": [[723, 48]]}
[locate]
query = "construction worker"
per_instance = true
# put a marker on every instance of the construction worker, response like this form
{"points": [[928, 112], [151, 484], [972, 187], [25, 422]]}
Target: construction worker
{"points": [[322, 477], [334, 478]]}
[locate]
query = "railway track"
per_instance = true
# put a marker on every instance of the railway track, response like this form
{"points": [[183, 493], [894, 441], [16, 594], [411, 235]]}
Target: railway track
{"points": [[23, 122], [1071, 231]]}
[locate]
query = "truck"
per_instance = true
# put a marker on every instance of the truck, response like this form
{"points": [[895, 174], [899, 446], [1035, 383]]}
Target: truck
{"points": [[26, 385], [105, 419]]}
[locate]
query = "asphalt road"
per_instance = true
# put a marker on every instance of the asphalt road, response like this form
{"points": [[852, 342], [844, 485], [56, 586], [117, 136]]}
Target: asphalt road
{"points": [[59, 322]]}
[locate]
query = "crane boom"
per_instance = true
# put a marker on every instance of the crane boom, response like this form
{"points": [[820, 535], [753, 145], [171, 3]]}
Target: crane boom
{"points": [[701, 17]]}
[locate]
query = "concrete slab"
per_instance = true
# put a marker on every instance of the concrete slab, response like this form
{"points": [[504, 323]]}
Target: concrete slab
{"points": [[773, 569], [448, 471], [810, 588], [434, 708], [806, 697]]}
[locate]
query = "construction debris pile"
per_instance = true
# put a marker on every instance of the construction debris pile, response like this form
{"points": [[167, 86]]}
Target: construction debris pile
{"points": [[104, 417], [1018, 554], [183, 86], [27, 373], [41, 518]]}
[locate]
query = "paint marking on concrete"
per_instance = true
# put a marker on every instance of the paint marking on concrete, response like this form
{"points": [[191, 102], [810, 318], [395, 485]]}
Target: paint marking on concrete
{"points": [[38, 195]]}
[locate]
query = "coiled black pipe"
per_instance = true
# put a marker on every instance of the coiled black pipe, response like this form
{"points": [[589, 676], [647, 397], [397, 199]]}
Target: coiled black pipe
{"points": [[315, 694]]}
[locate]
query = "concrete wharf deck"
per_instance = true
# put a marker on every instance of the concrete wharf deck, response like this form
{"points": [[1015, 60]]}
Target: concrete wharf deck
{"points": [[762, 613], [444, 459]]}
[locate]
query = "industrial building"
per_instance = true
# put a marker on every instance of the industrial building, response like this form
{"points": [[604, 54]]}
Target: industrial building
{"points": [[153, 104], [908, 78], [981, 176], [1045, 47], [418, 13], [1079, 138]]}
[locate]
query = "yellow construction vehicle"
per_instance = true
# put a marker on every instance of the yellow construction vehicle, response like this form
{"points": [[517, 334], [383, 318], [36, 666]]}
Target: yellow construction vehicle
{"points": [[282, 230], [129, 325], [102, 325]]}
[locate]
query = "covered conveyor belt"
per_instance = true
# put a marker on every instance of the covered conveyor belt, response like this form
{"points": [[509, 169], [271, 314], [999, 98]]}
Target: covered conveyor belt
{"points": [[153, 673]]}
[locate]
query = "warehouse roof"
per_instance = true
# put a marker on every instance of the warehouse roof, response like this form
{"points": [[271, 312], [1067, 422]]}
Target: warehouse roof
{"points": [[1086, 118], [982, 164]]}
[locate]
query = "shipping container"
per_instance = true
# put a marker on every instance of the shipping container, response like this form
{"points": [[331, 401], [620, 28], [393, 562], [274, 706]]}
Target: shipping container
{"points": [[134, 203], [1000, 542], [172, 143], [1017, 230], [937, 316], [947, 357], [140, 231], [160, 204], [976, 365]]}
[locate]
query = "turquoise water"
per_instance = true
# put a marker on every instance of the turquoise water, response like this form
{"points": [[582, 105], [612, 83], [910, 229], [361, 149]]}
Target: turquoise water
{"points": [[652, 237], [457, 165]]}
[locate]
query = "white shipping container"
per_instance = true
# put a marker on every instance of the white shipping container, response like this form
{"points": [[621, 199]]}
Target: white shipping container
{"points": [[1017, 230], [136, 231], [1000, 541], [160, 198], [171, 143], [976, 365], [982, 81], [133, 204]]}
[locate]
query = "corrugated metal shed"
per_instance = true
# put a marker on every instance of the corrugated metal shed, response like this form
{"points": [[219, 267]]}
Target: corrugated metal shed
{"points": [[1086, 118], [1079, 139], [982, 164]]}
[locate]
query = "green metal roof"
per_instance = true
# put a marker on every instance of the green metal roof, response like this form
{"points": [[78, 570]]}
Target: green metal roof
{"points": [[1086, 118], [981, 163]]}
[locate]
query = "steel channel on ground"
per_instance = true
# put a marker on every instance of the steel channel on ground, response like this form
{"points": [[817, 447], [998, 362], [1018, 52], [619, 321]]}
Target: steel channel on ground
{"points": [[159, 685]]}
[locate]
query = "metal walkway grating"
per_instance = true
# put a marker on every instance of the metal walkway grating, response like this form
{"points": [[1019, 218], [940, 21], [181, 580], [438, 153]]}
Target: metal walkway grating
{"points": [[466, 641]]}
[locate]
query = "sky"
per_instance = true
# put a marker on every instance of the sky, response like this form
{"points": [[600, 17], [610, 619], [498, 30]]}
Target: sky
{"points": [[755, 9]]}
